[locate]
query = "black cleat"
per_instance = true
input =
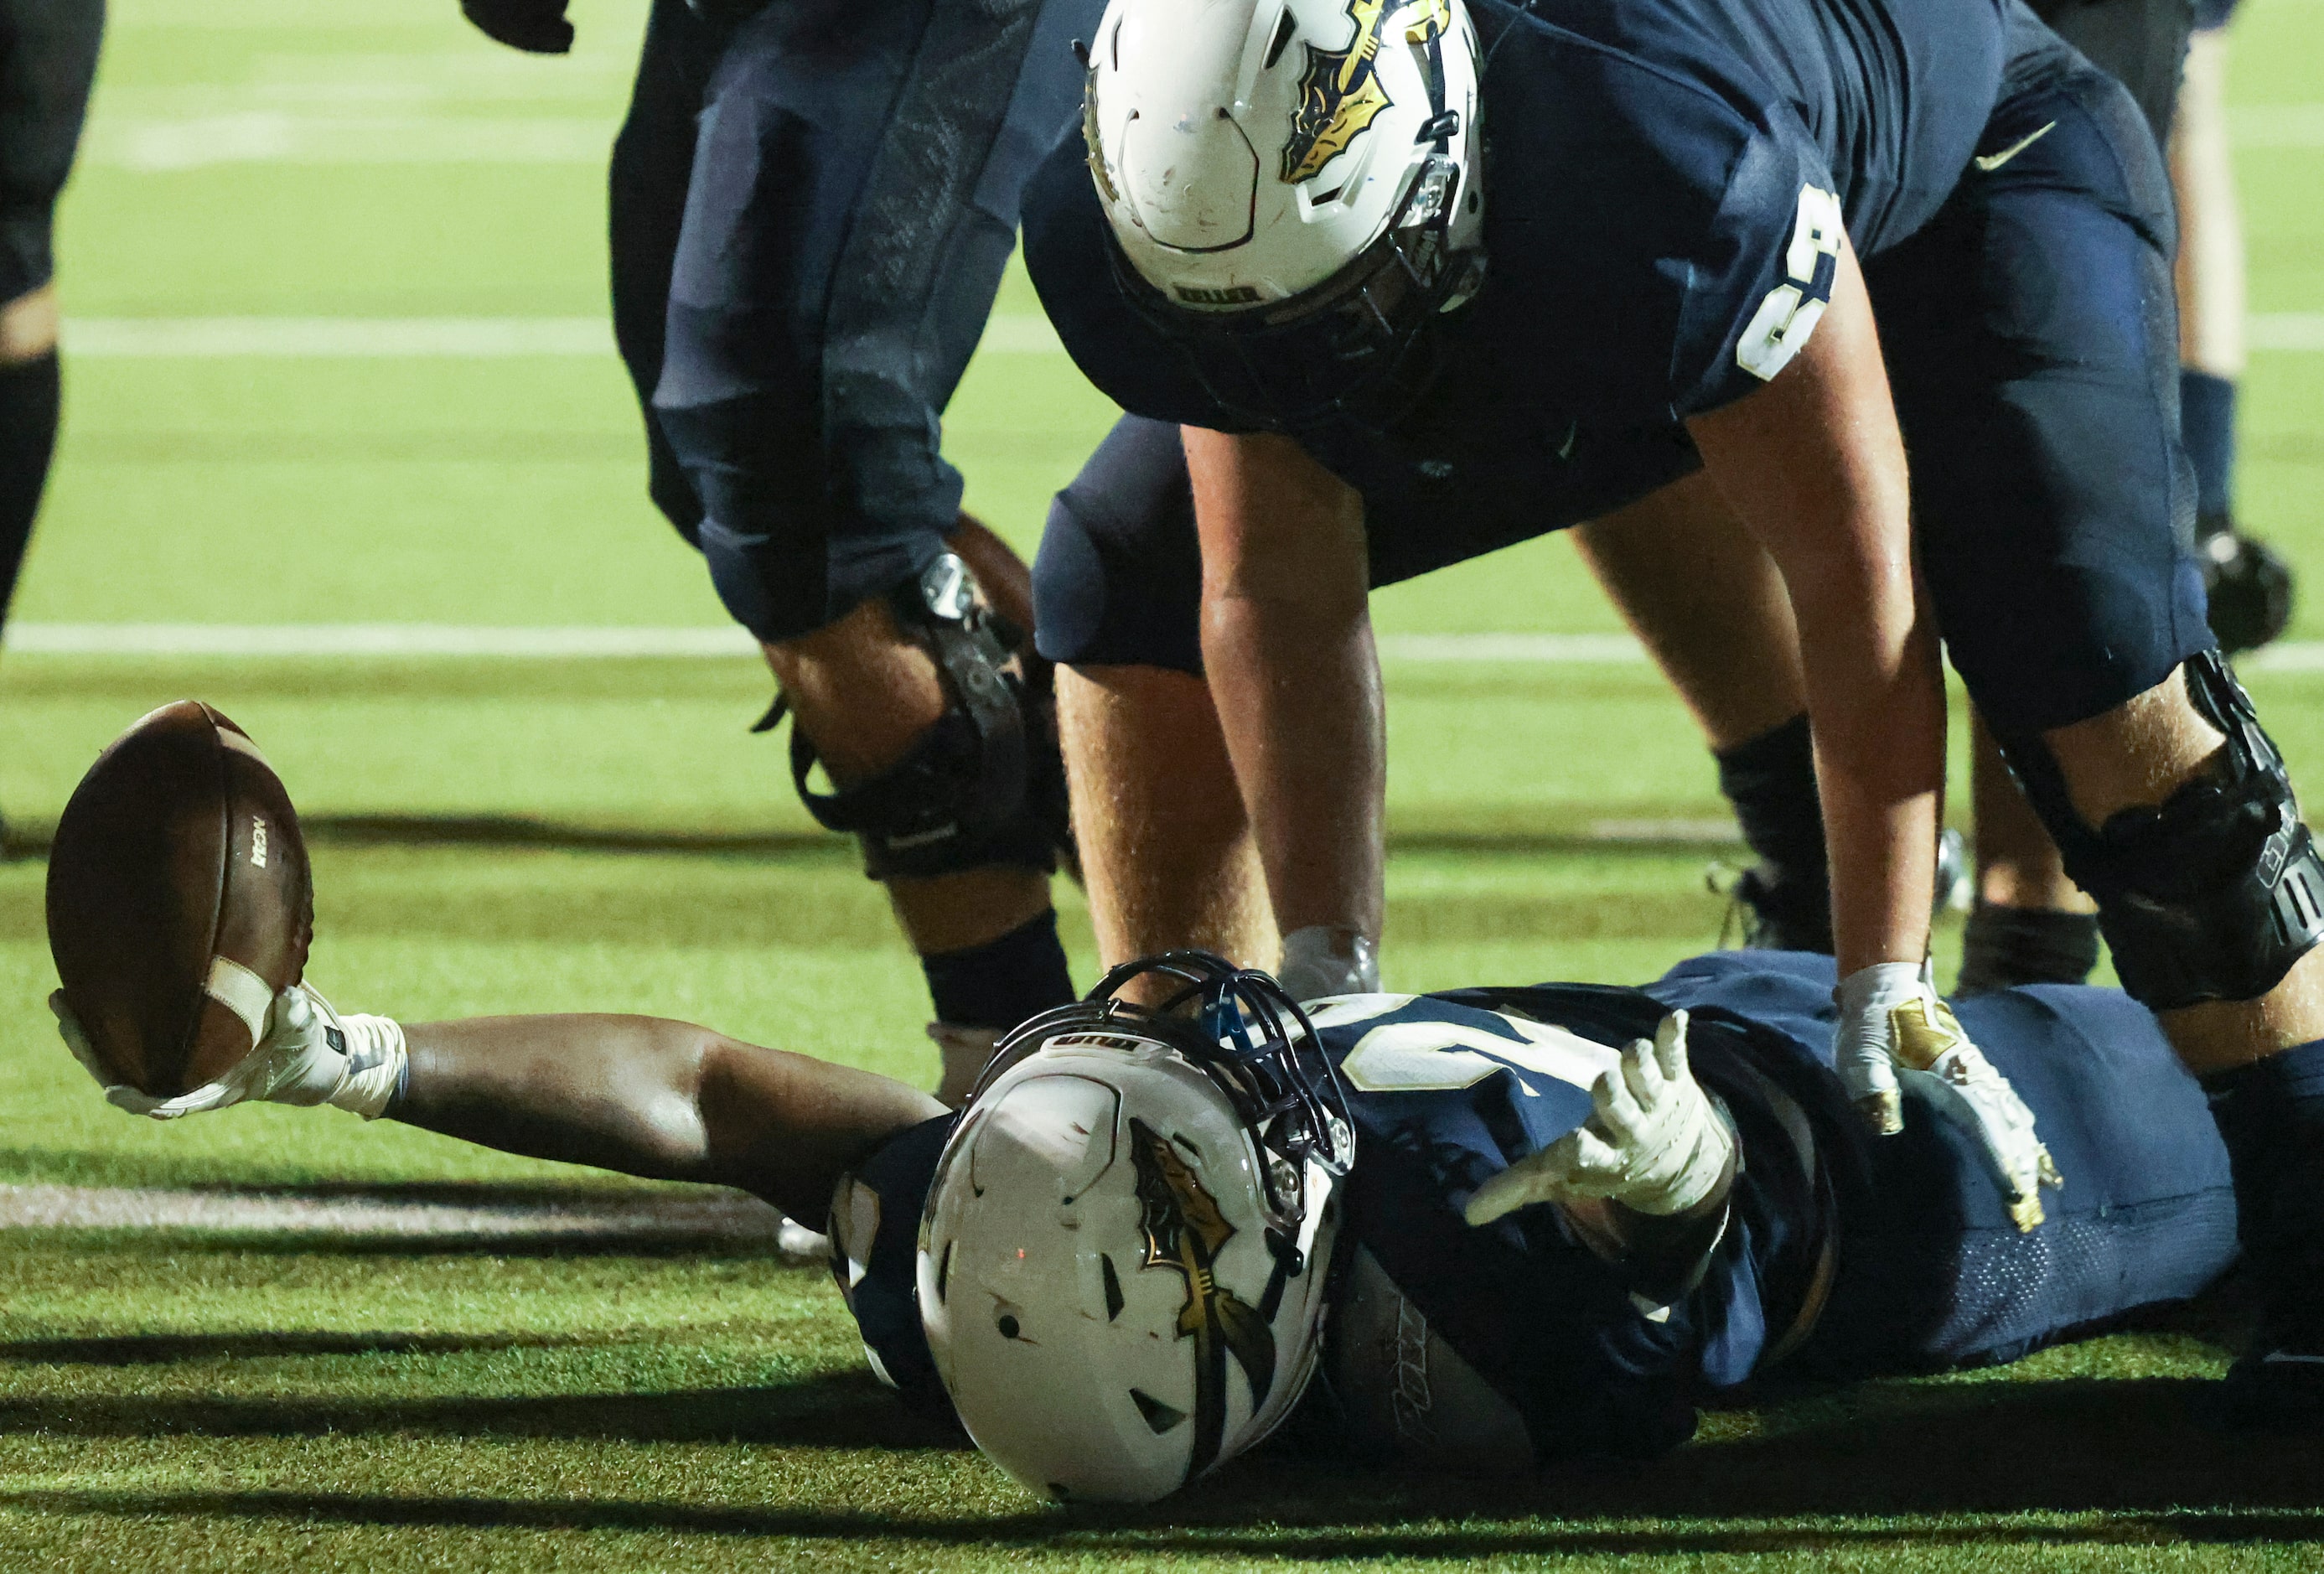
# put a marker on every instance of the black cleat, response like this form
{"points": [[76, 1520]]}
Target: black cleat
{"points": [[2278, 1386], [2250, 585], [1784, 911], [1773, 912]]}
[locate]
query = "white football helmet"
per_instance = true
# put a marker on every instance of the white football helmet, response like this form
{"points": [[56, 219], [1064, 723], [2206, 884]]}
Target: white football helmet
{"points": [[1294, 186], [1122, 1264]]}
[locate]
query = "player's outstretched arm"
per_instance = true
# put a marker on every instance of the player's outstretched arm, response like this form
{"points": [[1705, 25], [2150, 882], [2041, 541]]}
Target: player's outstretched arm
{"points": [[1814, 464], [650, 1097], [643, 1095]]}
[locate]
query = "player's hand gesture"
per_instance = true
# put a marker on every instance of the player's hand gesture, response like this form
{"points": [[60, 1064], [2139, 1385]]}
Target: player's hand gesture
{"points": [[538, 27], [1892, 1025], [1652, 1142]]}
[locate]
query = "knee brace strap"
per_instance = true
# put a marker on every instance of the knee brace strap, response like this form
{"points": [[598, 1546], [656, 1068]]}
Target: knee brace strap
{"points": [[974, 790], [2217, 892]]}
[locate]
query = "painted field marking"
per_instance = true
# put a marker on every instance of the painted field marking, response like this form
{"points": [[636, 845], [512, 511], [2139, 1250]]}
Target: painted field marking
{"points": [[2276, 125], [455, 338], [2285, 330], [206, 338], [358, 641], [484, 339], [723, 1216]]}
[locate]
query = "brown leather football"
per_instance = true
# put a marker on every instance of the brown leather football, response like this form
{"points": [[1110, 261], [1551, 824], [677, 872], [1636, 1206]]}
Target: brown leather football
{"points": [[179, 902]]}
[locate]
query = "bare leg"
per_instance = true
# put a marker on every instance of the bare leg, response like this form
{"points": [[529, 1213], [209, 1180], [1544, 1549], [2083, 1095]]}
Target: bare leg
{"points": [[2139, 753], [2017, 864], [28, 327], [865, 694], [653, 1097], [2210, 263], [1003, 575], [1167, 849], [1705, 599]]}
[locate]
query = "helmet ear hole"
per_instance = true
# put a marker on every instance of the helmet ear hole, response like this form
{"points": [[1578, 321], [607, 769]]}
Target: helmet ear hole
{"points": [[1284, 28], [1159, 1417], [1113, 1302]]}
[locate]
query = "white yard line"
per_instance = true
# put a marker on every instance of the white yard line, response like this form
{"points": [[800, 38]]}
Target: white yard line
{"points": [[2276, 125], [356, 642], [358, 110], [1520, 650], [484, 339], [2286, 330], [711, 1216], [460, 338], [206, 338]]}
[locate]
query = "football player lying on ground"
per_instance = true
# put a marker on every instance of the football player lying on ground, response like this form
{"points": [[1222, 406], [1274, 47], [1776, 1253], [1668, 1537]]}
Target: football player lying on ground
{"points": [[1459, 1231]]}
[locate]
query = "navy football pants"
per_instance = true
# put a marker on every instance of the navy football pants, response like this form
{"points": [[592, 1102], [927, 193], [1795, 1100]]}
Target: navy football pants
{"points": [[48, 59], [810, 214], [2031, 337], [1934, 1273]]}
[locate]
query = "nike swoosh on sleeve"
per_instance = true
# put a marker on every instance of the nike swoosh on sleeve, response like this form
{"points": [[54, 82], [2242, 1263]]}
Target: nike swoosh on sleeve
{"points": [[1989, 162]]}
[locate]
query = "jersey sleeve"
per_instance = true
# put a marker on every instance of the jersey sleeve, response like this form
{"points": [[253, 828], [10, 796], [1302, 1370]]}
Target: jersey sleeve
{"points": [[1645, 229], [1759, 281], [1065, 252], [874, 1231], [1449, 1089]]}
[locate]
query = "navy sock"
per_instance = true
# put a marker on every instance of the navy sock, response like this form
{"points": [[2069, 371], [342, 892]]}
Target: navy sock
{"points": [[2006, 946], [1003, 981], [28, 437], [2206, 426], [1771, 781], [2270, 1115]]}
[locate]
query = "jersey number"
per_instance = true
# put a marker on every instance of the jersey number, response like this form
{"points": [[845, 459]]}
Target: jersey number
{"points": [[1792, 309]]}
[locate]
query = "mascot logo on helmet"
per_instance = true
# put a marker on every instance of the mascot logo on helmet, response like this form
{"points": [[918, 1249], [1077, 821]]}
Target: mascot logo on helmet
{"points": [[1340, 94], [1185, 1231]]}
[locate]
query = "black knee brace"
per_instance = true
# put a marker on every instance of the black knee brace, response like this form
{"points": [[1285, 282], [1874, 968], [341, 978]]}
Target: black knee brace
{"points": [[2215, 894], [985, 784]]}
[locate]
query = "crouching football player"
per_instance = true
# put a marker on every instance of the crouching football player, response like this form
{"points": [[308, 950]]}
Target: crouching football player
{"points": [[1468, 1230]]}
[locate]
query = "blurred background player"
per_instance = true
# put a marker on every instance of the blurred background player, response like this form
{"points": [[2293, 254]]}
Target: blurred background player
{"points": [[812, 202], [48, 59], [2251, 586]]}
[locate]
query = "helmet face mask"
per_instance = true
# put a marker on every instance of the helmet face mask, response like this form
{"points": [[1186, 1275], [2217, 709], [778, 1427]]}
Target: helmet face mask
{"points": [[1124, 1255], [1362, 346], [1310, 215]]}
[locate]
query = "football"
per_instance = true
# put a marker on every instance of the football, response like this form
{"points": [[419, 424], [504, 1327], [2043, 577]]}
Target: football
{"points": [[179, 899]]}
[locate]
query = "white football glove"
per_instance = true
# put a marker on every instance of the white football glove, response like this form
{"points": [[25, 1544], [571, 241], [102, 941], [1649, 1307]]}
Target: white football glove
{"points": [[1892, 1025], [1324, 959], [1864, 1039], [311, 1055], [1653, 1143]]}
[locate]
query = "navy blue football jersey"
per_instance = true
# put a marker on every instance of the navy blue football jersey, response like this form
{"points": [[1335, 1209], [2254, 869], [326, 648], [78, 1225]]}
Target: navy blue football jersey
{"points": [[1535, 1340], [1665, 182], [1516, 1345]]}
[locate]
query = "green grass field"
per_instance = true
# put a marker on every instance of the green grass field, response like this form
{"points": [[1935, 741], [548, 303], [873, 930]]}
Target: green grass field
{"points": [[521, 834]]}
